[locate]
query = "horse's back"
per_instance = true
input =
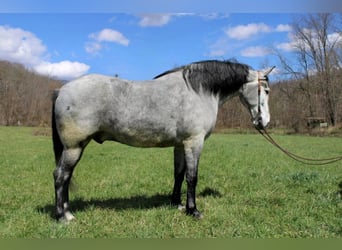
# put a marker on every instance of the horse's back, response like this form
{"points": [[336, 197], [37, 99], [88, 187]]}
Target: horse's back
{"points": [[159, 112], [108, 108]]}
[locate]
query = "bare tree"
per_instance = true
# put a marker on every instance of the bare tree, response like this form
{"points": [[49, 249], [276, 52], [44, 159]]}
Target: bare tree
{"points": [[317, 47]]}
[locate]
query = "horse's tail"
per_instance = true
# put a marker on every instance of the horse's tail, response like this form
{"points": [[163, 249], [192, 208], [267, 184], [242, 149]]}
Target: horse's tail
{"points": [[57, 143]]}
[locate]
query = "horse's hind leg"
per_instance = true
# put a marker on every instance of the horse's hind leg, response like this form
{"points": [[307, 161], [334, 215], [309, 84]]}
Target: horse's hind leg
{"points": [[62, 176], [179, 171]]}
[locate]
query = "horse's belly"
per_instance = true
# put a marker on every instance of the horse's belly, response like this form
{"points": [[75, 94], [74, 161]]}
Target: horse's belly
{"points": [[139, 138]]}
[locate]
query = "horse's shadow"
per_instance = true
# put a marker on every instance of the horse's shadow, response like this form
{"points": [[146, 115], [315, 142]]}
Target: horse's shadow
{"points": [[135, 202]]}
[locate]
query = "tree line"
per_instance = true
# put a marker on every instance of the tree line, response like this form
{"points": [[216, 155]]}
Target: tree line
{"points": [[25, 97], [25, 100], [310, 85]]}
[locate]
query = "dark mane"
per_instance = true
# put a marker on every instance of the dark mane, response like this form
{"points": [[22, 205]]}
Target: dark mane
{"points": [[217, 77], [169, 72]]}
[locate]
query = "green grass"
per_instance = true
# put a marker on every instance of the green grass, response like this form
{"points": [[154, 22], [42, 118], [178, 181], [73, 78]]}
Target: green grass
{"points": [[246, 188]]}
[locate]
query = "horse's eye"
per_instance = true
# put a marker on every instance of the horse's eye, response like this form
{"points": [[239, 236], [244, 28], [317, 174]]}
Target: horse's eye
{"points": [[267, 91]]}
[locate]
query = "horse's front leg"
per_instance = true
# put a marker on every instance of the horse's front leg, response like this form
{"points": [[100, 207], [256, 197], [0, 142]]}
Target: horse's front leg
{"points": [[179, 171], [192, 150]]}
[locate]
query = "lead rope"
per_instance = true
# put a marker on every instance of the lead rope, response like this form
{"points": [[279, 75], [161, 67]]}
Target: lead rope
{"points": [[304, 160]]}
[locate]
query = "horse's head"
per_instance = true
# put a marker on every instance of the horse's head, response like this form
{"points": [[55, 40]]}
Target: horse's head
{"points": [[254, 94]]}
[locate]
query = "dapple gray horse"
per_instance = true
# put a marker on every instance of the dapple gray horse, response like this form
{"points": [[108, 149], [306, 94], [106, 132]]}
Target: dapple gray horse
{"points": [[176, 109]]}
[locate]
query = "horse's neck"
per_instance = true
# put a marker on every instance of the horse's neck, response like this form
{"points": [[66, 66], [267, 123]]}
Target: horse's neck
{"points": [[252, 76], [224, 99]]}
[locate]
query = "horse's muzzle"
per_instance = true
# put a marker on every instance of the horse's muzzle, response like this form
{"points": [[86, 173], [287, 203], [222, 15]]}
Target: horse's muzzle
{"points": [[258, 123]]}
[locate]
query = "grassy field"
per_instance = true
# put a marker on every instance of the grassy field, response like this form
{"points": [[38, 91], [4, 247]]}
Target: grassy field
{"points": [[246, 189]]}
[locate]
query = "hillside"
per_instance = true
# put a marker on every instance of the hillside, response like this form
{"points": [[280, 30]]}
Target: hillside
{"points": [[25, 97]]}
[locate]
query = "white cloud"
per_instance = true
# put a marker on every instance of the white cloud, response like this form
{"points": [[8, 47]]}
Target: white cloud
{"points": [[24, 47], [283, 28], [93, 47], [335, 38], [214, 15], [109, 35], [157, 20], [287, 46], [255, 51], [104, 36], [62, 70], [242, 32], [20, 46], [238, 38], [294, 43]]}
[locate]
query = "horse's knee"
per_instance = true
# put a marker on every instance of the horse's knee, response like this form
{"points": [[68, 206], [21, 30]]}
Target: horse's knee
{"points": [[65, 167], [70, 157]]}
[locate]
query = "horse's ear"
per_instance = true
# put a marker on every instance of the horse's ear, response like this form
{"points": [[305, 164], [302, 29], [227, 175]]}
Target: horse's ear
{"points": [[267, 71]]}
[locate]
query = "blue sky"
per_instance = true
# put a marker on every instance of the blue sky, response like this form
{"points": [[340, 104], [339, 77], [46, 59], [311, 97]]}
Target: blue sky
{"points": [[138, 39], [164, 6], [138, 46], [65, 39]]}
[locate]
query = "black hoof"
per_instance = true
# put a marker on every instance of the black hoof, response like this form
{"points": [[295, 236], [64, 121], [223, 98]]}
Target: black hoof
{"points": [[59, 216], [194, 213]]}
